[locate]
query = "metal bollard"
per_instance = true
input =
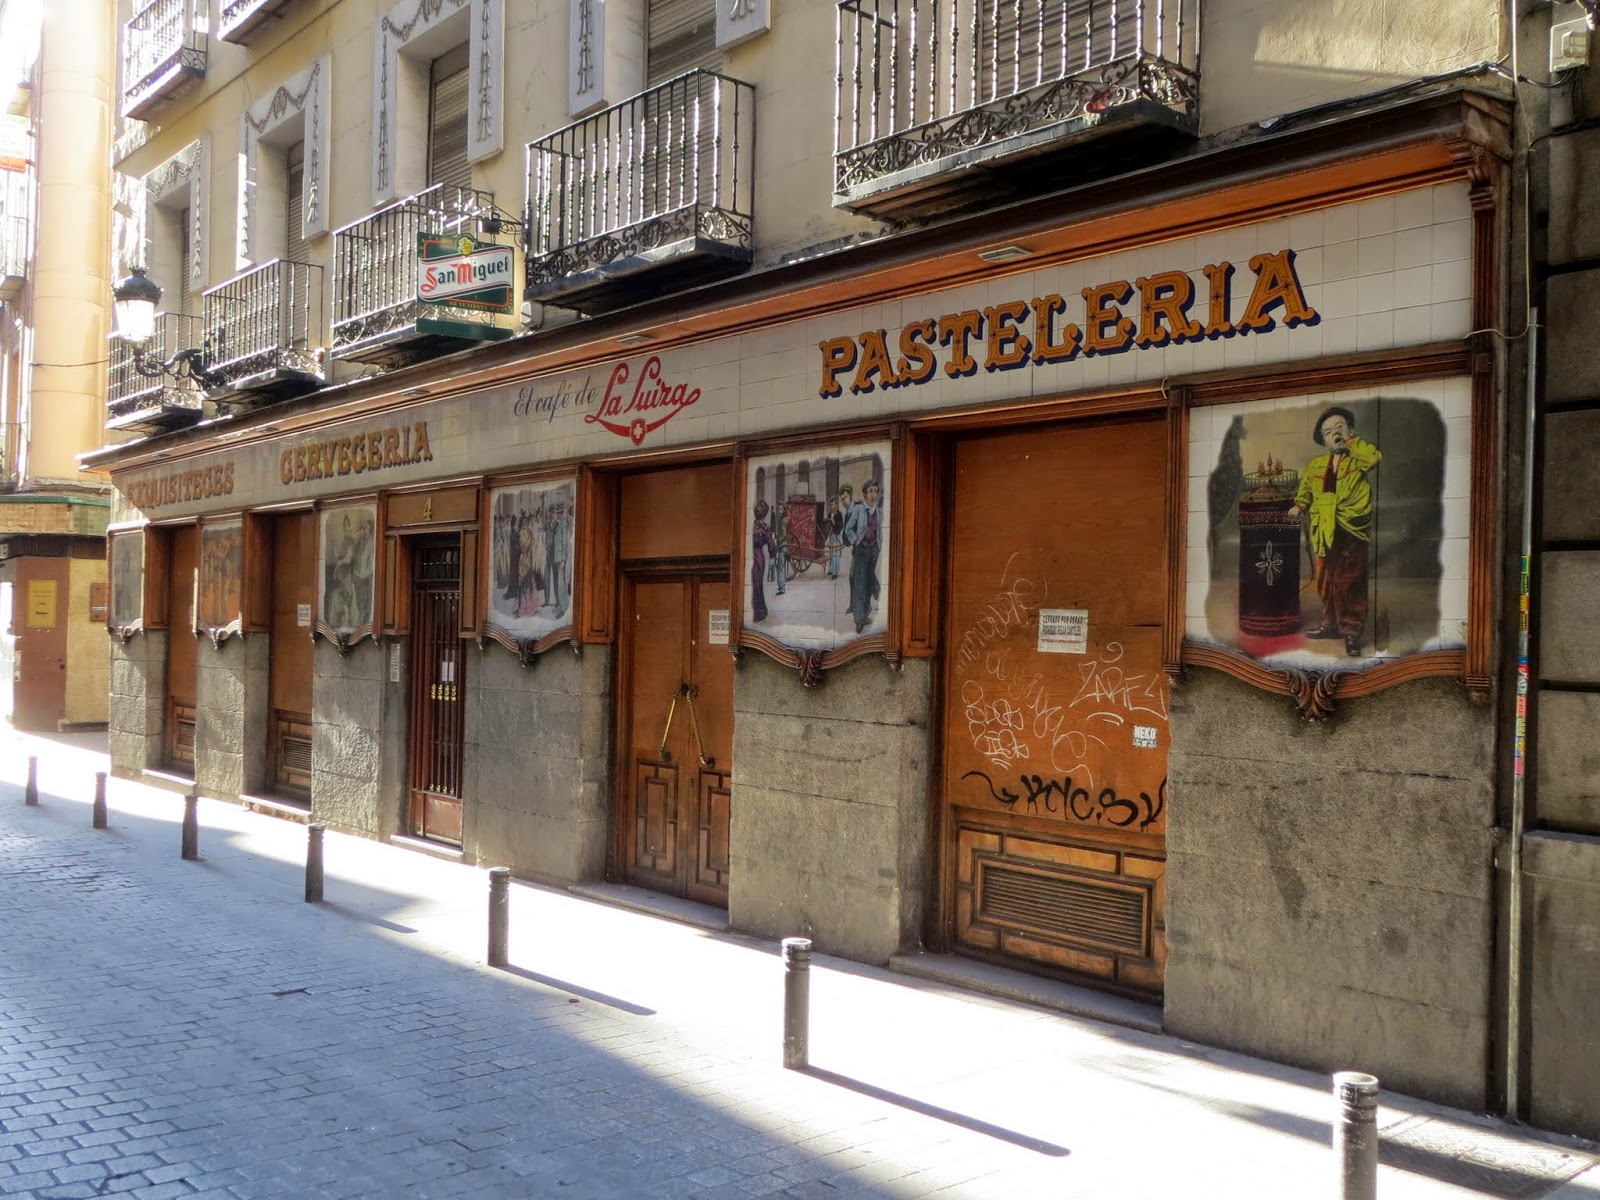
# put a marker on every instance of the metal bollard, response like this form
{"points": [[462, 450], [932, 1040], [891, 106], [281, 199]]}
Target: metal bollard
{"points": [[796, 1003], [99, 799], [191, 826], [499, 914], [31, 796], [1355, 1134], [314, 863]]}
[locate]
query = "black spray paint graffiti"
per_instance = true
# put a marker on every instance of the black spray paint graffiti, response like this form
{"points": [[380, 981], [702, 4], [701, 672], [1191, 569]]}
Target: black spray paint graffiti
{"points": [[1059, 797]]}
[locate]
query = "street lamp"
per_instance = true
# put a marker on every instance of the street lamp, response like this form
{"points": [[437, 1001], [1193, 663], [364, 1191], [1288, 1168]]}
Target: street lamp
{"points": [[135, 300]]}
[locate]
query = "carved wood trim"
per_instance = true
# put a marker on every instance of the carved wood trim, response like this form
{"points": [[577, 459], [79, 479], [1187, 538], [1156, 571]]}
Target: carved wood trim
{"points": [[926, 474], [528, 650], [595, 564], [1315, 692], [1177, 500], [1486, 174]]}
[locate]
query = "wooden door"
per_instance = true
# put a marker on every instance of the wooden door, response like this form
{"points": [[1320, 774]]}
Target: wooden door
{"points": [[438, 696], [182, 649], [1055, 711], [676, 722], [39, 621], [294, 595]]}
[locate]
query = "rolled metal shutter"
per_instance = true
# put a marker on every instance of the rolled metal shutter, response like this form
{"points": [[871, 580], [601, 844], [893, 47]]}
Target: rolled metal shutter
{"points": [[680, 35], [447, 120]]}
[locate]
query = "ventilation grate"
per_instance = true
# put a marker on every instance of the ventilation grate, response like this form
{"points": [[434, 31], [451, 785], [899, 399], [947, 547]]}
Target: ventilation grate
{"points": [[1084, 910]]}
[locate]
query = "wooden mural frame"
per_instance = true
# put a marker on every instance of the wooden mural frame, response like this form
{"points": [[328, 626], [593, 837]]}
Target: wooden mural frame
{"points": [[528, 649], [813, 663], [220, 632], [346, 640], [123, 631]]}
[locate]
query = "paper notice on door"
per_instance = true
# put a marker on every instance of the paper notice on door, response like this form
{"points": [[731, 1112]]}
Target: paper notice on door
{"points": [[302, 615], [1063, 631], [717, 627]]}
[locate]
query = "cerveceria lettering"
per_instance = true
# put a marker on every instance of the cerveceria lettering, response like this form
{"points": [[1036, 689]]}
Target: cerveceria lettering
{"points": [[179, 487], [1019, 332], [396, 446]]}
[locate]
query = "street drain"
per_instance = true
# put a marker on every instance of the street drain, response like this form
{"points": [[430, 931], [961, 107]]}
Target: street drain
{"points": [[1486, 1162]]}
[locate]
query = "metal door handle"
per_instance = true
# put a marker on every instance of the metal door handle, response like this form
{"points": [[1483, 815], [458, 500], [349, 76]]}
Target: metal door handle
{"points": [[689, 692], [664, 754]]}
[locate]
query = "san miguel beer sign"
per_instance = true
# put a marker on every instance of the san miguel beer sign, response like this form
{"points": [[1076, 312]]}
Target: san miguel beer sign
{"points": [[463, 272]]}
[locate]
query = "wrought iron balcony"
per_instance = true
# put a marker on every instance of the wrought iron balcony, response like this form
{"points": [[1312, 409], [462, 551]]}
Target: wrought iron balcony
{"points": [[16, 246], [377, 317], [264, 333], [163, 55], [240, 21], [652, 193], [141, 403], [929, 89]]}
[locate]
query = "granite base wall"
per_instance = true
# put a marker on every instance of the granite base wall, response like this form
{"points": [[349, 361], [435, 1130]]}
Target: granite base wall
{"points": [[347, 743], [538, 762], [138, 682], [829, 831], [1330, 896], [230, 752]]}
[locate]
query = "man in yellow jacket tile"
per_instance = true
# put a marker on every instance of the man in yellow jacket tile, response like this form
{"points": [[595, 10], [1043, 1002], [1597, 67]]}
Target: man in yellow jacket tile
{"points": [[1336, 496]]}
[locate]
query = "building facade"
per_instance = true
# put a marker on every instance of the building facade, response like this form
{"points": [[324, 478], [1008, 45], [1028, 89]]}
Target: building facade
{"points": [[985, 479], [56, 68]]}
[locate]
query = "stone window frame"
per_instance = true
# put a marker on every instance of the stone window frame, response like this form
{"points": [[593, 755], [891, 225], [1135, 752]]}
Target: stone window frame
{"points": [[297, 110], [179, 183], [405, 40]]}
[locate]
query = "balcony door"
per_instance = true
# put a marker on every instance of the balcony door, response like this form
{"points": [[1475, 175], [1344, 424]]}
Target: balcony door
{"points": [[447, 120]]}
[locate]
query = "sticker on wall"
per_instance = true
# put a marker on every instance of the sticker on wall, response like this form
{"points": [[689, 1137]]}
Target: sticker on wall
{"points": [[346, 577], [1145, 737], [717, 627], [817, 535], [396, 662], [302, 615], [1063, 631], [1331, 531], [529, 574]]}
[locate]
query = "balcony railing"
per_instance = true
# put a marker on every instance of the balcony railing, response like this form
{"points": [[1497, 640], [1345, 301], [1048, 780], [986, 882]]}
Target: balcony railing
{"points": [[16, 246], [375, 269], [931, 86], [135, 401], [666, 175], [163, 53], [264, 328]]}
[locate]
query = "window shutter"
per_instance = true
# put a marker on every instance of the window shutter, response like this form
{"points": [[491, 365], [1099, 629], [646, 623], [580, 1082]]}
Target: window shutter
{"points": [[188, 302], [680, 36], [295, 248], [447, 120]]}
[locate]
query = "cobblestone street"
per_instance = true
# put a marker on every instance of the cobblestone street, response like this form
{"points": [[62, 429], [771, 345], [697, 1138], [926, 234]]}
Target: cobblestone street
{"points": [[172, 1029]]}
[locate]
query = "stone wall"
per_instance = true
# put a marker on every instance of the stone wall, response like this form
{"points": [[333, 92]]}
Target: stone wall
{"points": [[829, 832], [347, 727], [133, 712], [1329, 887], [538, 762], [230, 741]]}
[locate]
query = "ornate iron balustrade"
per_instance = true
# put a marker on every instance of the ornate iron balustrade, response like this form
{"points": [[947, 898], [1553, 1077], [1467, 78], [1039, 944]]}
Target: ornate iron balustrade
{"points": [[922, 84], [620, 189], [135, 400], [375, 264], [16, 247], [265, 320], [163, 50]]}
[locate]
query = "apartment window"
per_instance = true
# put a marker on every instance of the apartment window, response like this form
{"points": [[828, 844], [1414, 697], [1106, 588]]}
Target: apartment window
{"points": [[188, 298], [680, 35], [295, 247], [447, 120]]}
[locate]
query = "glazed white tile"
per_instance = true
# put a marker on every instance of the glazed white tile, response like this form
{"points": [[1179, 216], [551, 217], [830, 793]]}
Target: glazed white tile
{"points": [[1375, 216], [1452, 280], [1375, 331], [1413, 326], [1340, 261], [1375, 294], [1452, 319], [1455, 559], [1375, 253], [1413, 209]]}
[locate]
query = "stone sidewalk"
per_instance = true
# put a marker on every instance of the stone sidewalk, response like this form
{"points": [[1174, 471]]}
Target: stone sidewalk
{"points": [[174, 1029]]}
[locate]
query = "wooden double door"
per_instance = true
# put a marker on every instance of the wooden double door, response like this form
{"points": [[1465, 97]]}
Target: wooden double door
{"points": [[1055, 726], [676, 727]]}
